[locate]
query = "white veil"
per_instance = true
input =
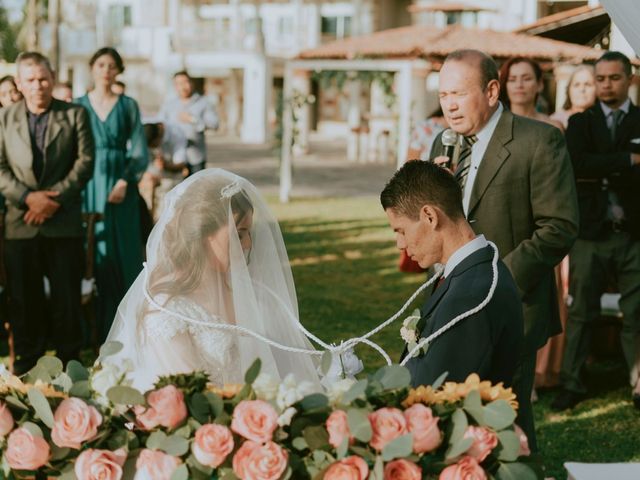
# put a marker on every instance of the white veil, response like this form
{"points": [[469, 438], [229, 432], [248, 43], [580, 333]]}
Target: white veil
{"points": [[197, 270]]}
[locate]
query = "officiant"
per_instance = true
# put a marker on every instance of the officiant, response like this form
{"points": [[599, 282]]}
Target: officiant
{"points": [[423, 203]]}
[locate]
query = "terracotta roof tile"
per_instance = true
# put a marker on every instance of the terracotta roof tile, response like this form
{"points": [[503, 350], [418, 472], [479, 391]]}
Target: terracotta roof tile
{"points": [[433, 43], [446, 7]]}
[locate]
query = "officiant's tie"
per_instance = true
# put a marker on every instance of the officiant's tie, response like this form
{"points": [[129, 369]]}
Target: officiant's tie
{"points": [[464, 160]]}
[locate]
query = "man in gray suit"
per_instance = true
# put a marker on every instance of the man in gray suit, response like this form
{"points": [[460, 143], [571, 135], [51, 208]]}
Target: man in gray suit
{"points": [[46, 158], [518, 191]]}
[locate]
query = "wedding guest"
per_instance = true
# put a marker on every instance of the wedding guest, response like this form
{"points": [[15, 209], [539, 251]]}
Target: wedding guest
{"points": [[193, 114], [423, 135], [601, 142], [520, 86], [518, 190], [581, 94], [63, 91], [121, 158], [46, 158], [9, 93], [424, 206]]}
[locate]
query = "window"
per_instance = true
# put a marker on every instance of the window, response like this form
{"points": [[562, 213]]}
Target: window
{"points": [[336, 27], [118, 17]]}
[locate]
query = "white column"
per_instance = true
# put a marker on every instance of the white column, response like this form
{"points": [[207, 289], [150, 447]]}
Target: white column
{"points": [[232, 103], [561, 74], [286, 160], [257, 95], [354, 117], [81, 78], [236, 26], [302, 86], [403, 90]]}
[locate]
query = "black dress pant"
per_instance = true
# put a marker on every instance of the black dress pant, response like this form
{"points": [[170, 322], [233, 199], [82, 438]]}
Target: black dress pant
{"points": [[39, 323]]}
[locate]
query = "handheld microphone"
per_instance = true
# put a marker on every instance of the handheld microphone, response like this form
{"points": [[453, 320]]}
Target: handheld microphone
{"points": [[449, 139]]}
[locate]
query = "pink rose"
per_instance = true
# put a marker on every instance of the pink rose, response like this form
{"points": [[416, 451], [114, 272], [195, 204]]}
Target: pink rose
{"points": [[166, 408], [387, 424], [402, 470], [95, 464], [74, 422], [26, 451], [424, 428], [338, 428], [484, 440], [253, 461], [524, 442], [155, 465], [6, 420], [255, 420], [466, 469], [349, 468], [212, 444]]}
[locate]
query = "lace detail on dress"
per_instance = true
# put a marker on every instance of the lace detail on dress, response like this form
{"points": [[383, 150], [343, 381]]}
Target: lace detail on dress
{"points": [[217, 349]]}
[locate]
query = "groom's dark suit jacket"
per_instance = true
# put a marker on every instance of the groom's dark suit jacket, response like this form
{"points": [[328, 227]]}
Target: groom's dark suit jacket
{"points": [[487, 343]]}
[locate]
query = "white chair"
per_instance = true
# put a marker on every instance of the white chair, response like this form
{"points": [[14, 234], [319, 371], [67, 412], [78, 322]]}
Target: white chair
{"points": [[599, 471]]}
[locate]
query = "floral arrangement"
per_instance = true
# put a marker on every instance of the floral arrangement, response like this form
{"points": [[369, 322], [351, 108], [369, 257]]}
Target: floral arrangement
{"points": [[90, 424]]}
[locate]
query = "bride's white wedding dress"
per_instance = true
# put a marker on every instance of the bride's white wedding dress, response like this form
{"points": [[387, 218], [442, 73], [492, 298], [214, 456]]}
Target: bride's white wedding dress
{"points": [[215, 257]]}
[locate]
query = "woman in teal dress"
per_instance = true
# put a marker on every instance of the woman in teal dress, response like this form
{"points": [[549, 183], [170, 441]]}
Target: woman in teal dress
{"points": [[121, 158]]}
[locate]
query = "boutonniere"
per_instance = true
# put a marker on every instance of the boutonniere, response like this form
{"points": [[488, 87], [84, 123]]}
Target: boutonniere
{"points": [[410, 333]]}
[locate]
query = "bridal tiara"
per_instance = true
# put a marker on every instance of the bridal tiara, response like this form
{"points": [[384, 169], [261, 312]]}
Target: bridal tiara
{"points": [[230, 190]]}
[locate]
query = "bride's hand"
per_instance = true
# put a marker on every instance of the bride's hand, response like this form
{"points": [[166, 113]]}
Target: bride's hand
{"points": [[118, 192]]}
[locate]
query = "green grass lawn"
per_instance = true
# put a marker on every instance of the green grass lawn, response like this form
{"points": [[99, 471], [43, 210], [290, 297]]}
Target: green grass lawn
{"points": [[344, 262]]}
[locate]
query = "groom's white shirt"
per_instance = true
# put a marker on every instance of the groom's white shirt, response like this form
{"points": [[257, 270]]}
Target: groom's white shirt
{"points": [[463, 252]]}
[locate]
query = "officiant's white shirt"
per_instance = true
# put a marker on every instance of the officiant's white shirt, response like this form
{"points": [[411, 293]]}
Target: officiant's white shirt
{"points": [[463, 252]]}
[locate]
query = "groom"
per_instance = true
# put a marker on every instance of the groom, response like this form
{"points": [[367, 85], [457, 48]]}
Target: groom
{"points": [[424, 205]]}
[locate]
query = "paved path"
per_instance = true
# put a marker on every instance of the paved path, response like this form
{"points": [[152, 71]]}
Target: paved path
{"points": [[324, 172]]}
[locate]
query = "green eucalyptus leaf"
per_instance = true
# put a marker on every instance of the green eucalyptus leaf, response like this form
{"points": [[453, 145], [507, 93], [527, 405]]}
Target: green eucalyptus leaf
{"points": [[81, 389], [325, 363], [68, 474], [394, 377], [359, 424], [364, 453], [123, 395], [110, 348], [341, 451], [184, 431], [155, 440], [299, 443], [458, 448], [118, 440], [253, 371], [316, 436], [510, 446], [38, 372], [33, 429], [439, 381], [63, 381], [515, 471], [196, 466], [41, 406], [314, 401], [77, 371], [216, 403], [398, 448], [499, 414], [473, 406], [11, 400], [58, 453], [460, 424], [180, 473], [175, 445], [357, 390], [52, 365], [199, 407], [378, 470]]}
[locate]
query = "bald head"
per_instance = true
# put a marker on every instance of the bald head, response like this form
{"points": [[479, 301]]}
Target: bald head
{"points": [[479, 61]]}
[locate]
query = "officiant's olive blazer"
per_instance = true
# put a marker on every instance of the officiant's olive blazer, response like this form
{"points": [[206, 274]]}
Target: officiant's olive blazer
{"points": [[524, 200], [68, 166]]}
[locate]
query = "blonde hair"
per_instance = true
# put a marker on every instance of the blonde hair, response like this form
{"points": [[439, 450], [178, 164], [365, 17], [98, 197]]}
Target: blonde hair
{"points": [[580, 68]]}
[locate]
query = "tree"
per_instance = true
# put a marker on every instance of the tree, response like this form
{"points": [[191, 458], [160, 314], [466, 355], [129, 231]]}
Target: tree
{"points": [[8, 37]]}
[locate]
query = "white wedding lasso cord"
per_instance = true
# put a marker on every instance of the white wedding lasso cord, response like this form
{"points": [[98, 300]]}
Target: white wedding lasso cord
{"points": [[352, 342]]}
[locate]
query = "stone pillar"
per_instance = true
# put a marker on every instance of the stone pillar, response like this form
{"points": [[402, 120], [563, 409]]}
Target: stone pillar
{"points": [[302, 86], [354, 117], [403, 88], [81, 78], [257, 86], [286, 155], [561, 74], [232, 103]]}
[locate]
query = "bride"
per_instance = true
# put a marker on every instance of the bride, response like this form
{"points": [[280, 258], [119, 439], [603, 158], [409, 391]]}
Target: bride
{"points": [[215, 259]]}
